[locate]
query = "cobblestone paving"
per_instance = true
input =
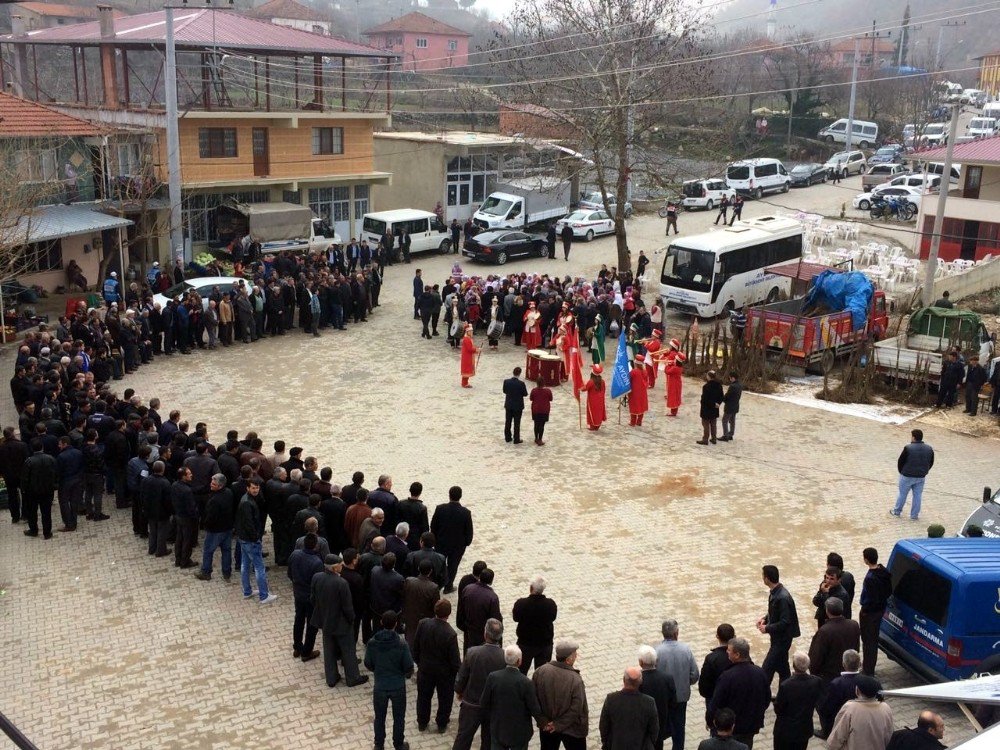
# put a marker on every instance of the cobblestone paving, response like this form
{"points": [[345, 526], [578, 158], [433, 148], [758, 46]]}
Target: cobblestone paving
{"points": [[107, 648]]}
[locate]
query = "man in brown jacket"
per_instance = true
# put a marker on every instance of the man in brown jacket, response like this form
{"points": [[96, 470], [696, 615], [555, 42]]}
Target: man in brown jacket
{"points": [[563, 700], [837, 635], [420, 594]]}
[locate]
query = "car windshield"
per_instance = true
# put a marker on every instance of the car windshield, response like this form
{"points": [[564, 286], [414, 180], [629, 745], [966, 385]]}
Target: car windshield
{"points": [[738, 173], [495, 206], [177, 289], [934, 130], [688, 269], [692, 189], [888, 151], [981, 123]]}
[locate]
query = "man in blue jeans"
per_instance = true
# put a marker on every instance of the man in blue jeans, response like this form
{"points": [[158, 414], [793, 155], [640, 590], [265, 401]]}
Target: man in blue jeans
{"points": [[388, 656], [913, 464], [218, 525], [248, 533]]}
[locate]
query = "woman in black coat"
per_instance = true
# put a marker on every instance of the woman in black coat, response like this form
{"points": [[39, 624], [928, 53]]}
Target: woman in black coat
{"points": [[711, 397]]}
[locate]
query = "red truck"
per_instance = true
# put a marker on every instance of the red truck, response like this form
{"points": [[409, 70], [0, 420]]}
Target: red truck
{"points": [[816, 339]]}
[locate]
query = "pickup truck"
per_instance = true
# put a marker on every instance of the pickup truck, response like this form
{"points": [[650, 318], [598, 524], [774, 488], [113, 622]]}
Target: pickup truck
{"points": [[814, 339], [274, 227], [520, 204], [919, 352]]}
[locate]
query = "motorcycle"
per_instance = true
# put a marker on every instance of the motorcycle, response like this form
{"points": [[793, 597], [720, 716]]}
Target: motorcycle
{"points": [[895, 208]]}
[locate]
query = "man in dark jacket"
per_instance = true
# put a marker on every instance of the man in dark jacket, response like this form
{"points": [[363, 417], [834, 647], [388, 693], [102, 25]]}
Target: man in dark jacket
{"points": [[333, 613], [248, 529], [439, 565], [731, 405], [303, 564], [840, 691], [356, 584], [566, 235], [927, 735], [38, 486], [420, 595], [535, 615], [13, 454], [333, 510], [514, 391], [70, 463], [550, 241], [479, 604], [830, 587], [478, 664], [510, 701], [745, 688], [794, 706], [413, 512], [781, 623], [452, 527], [628, 718], [875, 590], [219, 519], [388, 657], [660, 687], [154, 495], [186, 516], [952, 372], [913, 464], [386, 587], [835, 636], [975, 379], [435, 651], [116, 456], [716, 662]]}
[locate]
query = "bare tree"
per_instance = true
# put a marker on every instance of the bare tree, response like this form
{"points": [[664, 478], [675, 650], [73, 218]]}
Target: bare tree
{"points": [[606, 67]]}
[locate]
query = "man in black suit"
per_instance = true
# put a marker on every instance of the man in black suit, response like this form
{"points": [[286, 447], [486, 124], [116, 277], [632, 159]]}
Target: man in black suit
{"points": [[510, 700], [660, 687], [794, 706], [435, 651], [628, 718], [745, 689], [333, 613], [480, 604], [716, 662], [452, 528], [514, 391], [535, 615], [439, 565], [478, 664]]}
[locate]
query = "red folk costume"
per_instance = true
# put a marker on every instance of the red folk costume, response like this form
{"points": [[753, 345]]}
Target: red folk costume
{"points": [[653, 345], [469, 352], [638, 398], [596, 412], [532, 336], [674, 372]]}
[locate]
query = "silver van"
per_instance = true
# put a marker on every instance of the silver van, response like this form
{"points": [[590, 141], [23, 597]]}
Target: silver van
{"points": [[863, 134]]}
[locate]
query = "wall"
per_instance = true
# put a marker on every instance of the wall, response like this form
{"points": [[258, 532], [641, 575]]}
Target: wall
{"points": [[977, 279], [989, 74], [418, 175], [436, 54], [290, 151], [72, 248]]}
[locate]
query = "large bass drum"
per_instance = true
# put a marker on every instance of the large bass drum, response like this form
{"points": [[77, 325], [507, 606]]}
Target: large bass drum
{"points": [[456, 328], [495, 330]]}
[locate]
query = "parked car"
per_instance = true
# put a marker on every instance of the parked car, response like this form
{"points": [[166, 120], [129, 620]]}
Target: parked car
{"points": [[754, 177], [202, 285], [804, 175], [893, 153], [975, 97], [917, 180], [595, 202], [909, 131], [863, 201], [587, 224], [705, 194], [497, 247], [864, 134], [982, 127], [880, 173], [933, 134], [846, 163]]}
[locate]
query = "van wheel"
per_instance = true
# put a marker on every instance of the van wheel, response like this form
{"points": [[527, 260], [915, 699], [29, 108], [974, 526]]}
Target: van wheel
{"points": [[864, 144], [445, 247], [728, 310], [710, 205], [590, 235], [828, 139], [772, 296], [784, 188], [758, 194], [501, 257], [827, 361]]}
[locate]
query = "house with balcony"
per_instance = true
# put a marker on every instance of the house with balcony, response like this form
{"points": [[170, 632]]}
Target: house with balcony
{"points": [[971, 229], [268, 113], [422, 43], [57, 172]]}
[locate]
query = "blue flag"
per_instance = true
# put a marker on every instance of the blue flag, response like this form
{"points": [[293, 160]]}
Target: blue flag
{"points": [[621, 383]]}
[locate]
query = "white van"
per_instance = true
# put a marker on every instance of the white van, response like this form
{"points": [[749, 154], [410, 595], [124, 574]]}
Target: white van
{"points": [[937, 167], [754, 177], [422, 226], [863, 134], [982, 127]]}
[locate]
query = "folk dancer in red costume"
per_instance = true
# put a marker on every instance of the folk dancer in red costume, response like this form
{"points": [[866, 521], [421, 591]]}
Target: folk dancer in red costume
{"points": [[674, 372], [596, 412], [532, 336], [469, 352], [638, 398], [653, 346]]}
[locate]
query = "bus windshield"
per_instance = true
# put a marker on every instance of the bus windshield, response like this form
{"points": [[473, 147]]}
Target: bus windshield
{"points": [[495, 206], [688, 269]]}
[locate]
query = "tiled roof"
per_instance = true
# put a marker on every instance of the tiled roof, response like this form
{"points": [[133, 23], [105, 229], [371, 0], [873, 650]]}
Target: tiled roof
{"points": [[196, 29], [20, 118], [416, 23], [981, 151], [285, 9]]}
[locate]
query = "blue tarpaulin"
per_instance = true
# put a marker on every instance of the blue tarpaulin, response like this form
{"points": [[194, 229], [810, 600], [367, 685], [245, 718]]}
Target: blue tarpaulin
{"points": [[842, 291]]}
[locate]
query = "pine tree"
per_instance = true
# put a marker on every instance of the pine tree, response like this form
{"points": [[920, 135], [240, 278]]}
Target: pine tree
{"points": [[903, 42]]}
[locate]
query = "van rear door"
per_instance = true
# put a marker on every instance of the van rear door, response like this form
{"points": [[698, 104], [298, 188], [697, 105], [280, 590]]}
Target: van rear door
{"points": [[918, 611]]}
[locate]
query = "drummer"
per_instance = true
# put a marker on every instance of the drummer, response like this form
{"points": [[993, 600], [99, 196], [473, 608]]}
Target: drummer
{"points": [[494, 329], [532, 336]]}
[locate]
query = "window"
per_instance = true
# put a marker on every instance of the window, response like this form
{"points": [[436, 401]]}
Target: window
{"points": [[452, 45], [421, 44], [921, 589], [328, 141], [128, 159], [37, 165], [217, 143], [43, 256], [766, 170], [332, 204], [413, 226], [361, 198]]}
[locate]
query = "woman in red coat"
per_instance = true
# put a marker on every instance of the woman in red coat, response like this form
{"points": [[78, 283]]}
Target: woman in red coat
{"points": [[638, 398], [674, 372], [469, 352], [596, 413]]}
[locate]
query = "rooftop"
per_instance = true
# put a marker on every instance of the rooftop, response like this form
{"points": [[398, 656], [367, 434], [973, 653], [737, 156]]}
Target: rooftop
{"points": [[417, 23], [286, 9], [454, 138], [981, 151], [198, 28], [60, 10], [20, 118]]}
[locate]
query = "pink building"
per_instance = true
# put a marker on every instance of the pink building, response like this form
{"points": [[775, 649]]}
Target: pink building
{"points": [[422, 42]]}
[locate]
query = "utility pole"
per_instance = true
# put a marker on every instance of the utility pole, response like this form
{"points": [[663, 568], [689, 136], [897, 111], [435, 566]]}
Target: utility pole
{"points": [[173, 140], [946, 25], [791, 111], [874, 36], [927, 296], [854, 95]]}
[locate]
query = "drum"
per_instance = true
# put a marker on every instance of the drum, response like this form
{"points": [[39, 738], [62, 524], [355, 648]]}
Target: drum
{"points": [[495, 330], [456, 328], [533, 364], [549, 369]]}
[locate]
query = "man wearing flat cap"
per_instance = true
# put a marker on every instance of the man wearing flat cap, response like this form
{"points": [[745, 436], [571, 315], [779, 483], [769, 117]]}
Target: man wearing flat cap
{"points": [[563, 699], [333, 613]]}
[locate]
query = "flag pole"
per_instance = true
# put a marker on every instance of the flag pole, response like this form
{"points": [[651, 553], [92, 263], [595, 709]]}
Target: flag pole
{"points": [[579, 411]]}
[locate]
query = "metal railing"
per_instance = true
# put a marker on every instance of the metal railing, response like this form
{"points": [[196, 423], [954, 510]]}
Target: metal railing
{"points": [[16, 735]]}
